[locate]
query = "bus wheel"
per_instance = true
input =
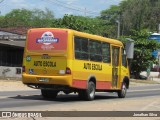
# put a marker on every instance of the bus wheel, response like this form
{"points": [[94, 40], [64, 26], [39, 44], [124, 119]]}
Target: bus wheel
{"points": [[81, 94], [49, 94], [90, 91], [123, 91]]}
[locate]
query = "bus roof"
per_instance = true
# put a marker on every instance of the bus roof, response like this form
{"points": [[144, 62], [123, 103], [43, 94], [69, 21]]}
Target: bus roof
{"points": [[97, 37], [83, 34]]}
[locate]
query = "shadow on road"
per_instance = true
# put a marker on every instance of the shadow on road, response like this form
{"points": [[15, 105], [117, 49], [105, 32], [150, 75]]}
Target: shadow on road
{"points": [[62, 98]]}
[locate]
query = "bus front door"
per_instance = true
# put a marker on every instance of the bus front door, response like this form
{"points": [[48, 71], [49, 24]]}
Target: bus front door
{"points": [[115, 66]]}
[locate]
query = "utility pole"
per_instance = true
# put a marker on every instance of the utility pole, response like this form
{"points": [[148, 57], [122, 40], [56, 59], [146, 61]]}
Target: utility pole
{"points": [[118, 28], [85, 11]]}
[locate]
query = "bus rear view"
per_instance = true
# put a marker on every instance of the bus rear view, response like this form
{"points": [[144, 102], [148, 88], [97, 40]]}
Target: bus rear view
{"points": [[45, 60], [71, 61]]}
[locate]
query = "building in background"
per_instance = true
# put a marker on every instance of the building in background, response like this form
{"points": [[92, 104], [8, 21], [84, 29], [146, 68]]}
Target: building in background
{"points": [[156, 53], [12, 42], [155, 36]]}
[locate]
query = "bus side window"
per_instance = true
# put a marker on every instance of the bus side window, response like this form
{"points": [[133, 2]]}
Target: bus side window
{"points": [[81, 48], [95, 49], [106, 52], [124, 59]]}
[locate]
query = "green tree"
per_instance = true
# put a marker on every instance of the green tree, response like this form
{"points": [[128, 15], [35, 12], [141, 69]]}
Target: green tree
{"points": [[133, 15], [18, 17], [139, 14], [28, 18], [142, 51], [154, 16], [2, 21], [110, 18], [111, 14], [80, 23], [42, 18]]}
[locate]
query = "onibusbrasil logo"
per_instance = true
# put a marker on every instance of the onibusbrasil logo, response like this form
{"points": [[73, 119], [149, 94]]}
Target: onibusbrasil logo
{"points": [[47, 38]]}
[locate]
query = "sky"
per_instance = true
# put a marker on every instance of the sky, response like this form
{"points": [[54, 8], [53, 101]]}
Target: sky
{"points": [[90, 8]]}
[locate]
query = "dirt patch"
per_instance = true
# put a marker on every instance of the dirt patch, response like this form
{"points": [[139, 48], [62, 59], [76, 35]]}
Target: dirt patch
{"points": [[12, 85]]}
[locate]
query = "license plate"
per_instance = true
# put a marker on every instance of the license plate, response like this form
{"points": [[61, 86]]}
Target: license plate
{"points": [[43, 79]]}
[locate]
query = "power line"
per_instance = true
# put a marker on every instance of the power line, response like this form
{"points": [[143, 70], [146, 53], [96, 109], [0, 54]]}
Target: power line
{"points": [[73, 7], [69, 6], [1, 1], [92, 12]]}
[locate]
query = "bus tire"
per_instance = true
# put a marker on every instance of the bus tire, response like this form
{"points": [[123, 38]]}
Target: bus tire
{"points": [[81, 94], [123, 91], [90, 91], [49, 94]]}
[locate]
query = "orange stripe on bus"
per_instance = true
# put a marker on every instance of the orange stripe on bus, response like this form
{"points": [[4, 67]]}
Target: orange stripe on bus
{"points": [[79, 84], [82, 84], [103, 85]]}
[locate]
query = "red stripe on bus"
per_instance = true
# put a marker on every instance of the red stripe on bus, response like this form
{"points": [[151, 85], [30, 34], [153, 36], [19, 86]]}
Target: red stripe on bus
{"points": [[105, 85], [82, 84], [79, 84]]}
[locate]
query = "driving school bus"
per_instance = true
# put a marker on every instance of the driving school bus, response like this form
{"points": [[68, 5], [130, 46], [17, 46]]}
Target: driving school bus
{"points": [[70, 61]]}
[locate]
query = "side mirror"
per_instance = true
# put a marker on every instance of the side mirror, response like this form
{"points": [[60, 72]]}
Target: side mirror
{"points": [[129, 48]]}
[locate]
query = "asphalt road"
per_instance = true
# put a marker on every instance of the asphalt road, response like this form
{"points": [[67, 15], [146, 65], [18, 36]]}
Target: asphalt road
{"points": [[32, 100]]}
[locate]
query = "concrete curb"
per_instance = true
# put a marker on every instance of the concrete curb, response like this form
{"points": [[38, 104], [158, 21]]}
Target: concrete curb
{"points": [[145, 81]]}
